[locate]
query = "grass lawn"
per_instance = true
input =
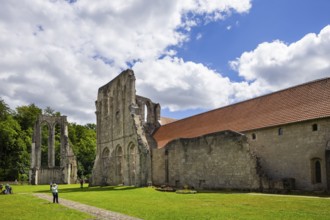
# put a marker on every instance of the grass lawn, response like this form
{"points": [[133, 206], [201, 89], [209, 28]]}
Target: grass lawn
{"points": [[26, 206], [147, 203]]}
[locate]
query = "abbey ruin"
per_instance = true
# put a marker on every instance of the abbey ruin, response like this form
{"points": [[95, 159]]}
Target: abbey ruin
{"points": [[66, 170], [276, 141]]}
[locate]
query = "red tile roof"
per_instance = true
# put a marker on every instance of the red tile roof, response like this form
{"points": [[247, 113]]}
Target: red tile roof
{"points": [[299, 103], [165, 120]]}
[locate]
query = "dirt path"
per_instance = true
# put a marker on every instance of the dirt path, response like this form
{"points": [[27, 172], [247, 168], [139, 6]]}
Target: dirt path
{"points": [[99, 213]]}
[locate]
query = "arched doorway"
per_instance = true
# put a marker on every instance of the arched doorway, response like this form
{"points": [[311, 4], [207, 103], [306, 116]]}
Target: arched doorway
{"points": [[45, 144]]}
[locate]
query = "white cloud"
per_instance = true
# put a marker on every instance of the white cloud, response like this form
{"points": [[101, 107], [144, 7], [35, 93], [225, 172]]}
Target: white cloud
{"points": [[199, 36], [180, 85], [58, 54], [278, 65]]}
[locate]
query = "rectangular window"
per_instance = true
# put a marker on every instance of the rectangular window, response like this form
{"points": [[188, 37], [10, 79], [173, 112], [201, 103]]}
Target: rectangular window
{"points": [[314, 127]]}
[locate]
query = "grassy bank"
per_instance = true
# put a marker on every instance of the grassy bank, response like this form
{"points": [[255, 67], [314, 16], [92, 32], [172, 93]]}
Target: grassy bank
{"points": [[23, 205], [147, 203]]}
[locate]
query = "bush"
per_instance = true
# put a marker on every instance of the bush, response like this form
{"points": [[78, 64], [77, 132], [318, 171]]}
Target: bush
{"points": [[23, 178]]}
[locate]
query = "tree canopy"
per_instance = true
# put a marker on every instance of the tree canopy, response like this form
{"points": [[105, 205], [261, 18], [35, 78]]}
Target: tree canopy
{"points": [[16, 130]]}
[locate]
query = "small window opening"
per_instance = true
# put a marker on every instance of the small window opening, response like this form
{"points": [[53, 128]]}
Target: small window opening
{"points": [[280, 131], [317, 171], [145, 119], [254, 136], [314, 127]]}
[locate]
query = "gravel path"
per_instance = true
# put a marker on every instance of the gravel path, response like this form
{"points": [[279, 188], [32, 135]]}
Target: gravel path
{"points": [[100, 214]]}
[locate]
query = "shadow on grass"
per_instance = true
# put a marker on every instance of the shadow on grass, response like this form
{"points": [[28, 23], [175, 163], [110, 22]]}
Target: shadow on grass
{"points": [[218, 191], [90, 189]]}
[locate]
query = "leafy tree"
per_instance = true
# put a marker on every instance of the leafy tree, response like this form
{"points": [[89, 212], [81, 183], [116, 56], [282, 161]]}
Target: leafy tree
{"points": [[83, 142], [4, 110], [51, 112], [12, 147], [16, 130], [27, 116]]}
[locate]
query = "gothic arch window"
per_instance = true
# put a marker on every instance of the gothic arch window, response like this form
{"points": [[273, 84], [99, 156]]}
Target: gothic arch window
{"points": [[166, 167], [105, 153], [280, 131], [316, 170], [45, 144], [57, 144], [105, 163], [145, 116]]}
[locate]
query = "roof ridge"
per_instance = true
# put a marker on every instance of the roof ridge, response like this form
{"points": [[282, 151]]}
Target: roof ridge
{"points": [[254, 98]]}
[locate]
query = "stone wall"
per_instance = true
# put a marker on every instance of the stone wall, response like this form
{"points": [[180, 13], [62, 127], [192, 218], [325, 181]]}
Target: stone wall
{"points": [[285, 157], [215, 161], [293, 153], [123, 124]]}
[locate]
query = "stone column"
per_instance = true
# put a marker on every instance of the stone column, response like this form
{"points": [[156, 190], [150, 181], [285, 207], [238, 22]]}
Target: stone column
{"points": [[37, 146], [51, 146]]}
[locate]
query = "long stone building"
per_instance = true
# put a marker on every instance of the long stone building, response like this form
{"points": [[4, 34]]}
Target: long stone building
{"points": [[276, 141]]}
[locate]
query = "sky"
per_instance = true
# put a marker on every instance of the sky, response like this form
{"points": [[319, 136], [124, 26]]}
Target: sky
{"points": [[190, 56]]}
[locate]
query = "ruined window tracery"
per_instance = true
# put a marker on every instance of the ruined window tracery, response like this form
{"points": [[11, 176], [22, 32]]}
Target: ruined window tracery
{"points": [[52, 159]]}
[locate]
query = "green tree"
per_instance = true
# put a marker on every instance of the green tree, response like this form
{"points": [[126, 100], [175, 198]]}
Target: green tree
{"points": [[16, 130], [12, 149], [5, 111], [27, 116], [51, 112], [83, 142]]}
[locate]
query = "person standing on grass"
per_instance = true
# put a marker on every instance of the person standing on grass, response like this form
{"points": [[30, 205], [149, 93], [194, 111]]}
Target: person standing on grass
{"points": [[55, 193], [81, 183]]}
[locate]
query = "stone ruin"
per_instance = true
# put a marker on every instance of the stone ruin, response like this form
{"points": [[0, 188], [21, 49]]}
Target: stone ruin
{"points": [[66, 171]]}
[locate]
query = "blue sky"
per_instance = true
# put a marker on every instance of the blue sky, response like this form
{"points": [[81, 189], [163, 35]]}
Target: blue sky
{"points": [[216, 43], [190, 56], [267, 21]]}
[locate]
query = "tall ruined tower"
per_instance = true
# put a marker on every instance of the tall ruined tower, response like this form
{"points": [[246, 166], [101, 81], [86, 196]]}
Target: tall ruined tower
{"points": [[125, 122]]}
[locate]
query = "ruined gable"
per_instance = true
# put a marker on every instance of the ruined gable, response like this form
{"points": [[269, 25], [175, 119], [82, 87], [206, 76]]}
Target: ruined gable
{"points": [[124, 124]]}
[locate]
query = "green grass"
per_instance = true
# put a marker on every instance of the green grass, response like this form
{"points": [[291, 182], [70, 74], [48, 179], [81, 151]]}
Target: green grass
{"points": [[147, 203], [26, 206]]}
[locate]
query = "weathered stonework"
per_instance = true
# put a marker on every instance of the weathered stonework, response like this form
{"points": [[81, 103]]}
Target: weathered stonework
{"points": [[291, 154], [66, 172], [124, 124], [215, 161], [284, 157]]}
